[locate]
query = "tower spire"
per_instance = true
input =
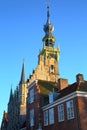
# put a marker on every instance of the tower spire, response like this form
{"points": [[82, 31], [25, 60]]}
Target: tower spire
{"points": [[48, 39], [23, 79], [11, 94]]}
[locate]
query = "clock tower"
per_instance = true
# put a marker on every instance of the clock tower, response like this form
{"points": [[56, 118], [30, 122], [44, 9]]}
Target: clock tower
{"points": [[48, 58]]}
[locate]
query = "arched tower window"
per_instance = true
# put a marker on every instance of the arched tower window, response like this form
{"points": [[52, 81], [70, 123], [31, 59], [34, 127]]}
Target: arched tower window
{"points": [[52, 69]]}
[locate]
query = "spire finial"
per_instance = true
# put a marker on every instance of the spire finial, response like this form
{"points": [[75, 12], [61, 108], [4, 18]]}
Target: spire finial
{"points": [[48, 5], [48, 13], [23, 60]]}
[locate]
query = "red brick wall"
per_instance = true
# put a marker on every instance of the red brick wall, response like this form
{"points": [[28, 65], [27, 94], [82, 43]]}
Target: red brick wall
{"points": [[78, 123], [62, 83], [82, 108], [35, 105], [64, 125]]}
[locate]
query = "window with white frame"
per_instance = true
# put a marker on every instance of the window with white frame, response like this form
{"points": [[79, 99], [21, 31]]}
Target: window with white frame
{"points": [[46, 118], [51, 116], [32, 117], [31, 98], [70, 110], [61, 113]]}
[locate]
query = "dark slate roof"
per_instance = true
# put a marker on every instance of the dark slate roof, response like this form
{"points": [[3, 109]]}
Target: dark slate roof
{"points": [[77, 86], [46, 87]]}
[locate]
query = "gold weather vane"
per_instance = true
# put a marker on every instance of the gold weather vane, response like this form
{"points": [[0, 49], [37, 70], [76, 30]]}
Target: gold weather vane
{"points": [[23, 60], [48, 4]]}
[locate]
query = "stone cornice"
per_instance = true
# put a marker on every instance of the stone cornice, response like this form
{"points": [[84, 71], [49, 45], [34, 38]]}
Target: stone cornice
{"points": [[65, 98]]}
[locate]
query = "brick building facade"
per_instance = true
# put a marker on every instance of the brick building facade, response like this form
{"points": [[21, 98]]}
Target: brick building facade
{"points": [[37, 97], [62, 109], [69, 111]]}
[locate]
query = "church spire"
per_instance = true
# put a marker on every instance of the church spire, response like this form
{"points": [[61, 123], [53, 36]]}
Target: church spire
{"points": [[48, 39], [11, 94], [23, 79]]}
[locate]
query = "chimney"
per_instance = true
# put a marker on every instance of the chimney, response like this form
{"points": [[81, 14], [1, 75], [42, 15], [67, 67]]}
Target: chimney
{"points": [[62, 83], [79, 78]]}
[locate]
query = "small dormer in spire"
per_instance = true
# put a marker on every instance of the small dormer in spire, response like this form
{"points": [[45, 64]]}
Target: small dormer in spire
{"points": [[48, 39], [23, 79]]}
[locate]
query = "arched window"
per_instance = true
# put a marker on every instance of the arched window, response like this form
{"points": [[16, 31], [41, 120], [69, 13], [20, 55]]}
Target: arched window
{"points": [[52, 69]]}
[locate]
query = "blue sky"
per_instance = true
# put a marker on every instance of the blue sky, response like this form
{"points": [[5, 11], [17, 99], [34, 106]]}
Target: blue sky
{"points": [[21, 33]]}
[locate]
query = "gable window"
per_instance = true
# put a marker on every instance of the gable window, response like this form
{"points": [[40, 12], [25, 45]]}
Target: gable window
{"points": [[51, 116], [46, 118], [61, 113], [32, 117], [52, 69], [70, 110], [31, 96]]}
